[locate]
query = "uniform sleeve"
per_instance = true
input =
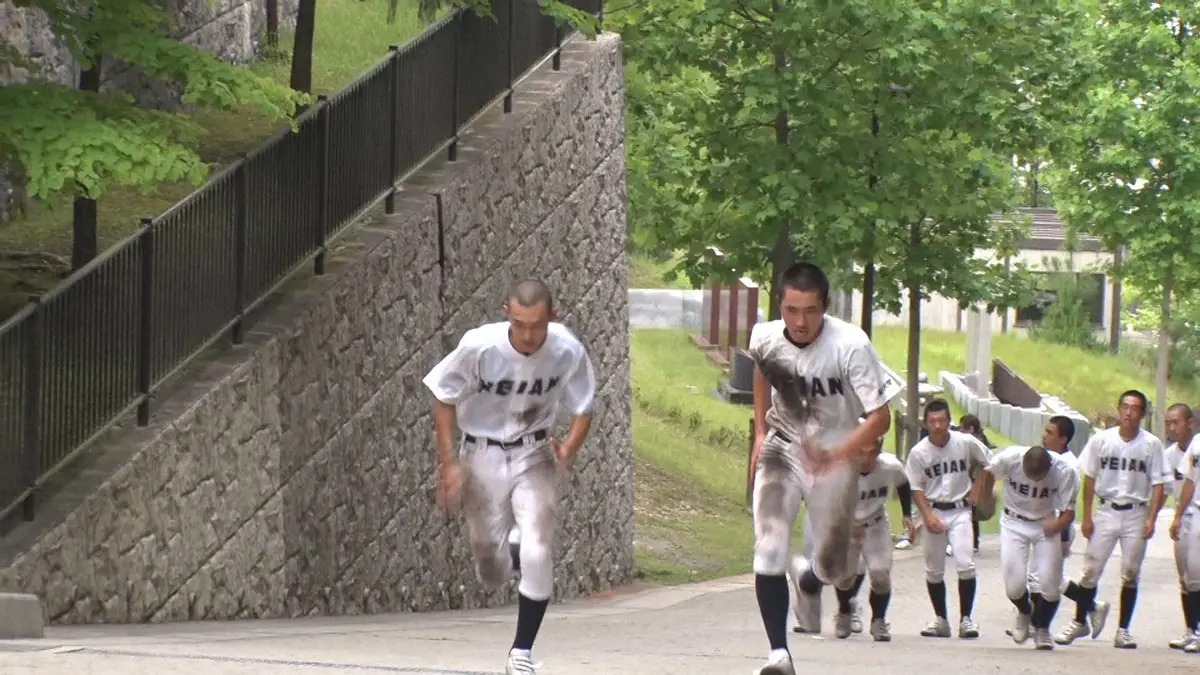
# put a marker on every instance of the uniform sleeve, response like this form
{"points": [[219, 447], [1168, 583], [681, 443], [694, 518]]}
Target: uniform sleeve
{"points": [[1090, 465], [999, 463], [915, 471], [580, 391], [980, 455], [1068, 490], [1158, 472], [758, 336], [1189, 466], [865, 372], [456, 376]]}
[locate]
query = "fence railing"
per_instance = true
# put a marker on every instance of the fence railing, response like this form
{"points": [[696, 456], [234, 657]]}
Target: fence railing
{"points": [[90, 352]]}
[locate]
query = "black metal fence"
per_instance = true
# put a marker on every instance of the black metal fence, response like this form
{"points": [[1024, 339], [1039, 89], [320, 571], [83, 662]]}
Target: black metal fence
{"points": [[90, 352]]}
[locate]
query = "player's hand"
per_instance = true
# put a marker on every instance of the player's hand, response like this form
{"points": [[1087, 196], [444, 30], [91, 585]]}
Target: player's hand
{"points": [[449, 486], [1050, 526], [562, 453], [935, 525], [1148, 529], [1174, 530], [1087, 528], [759, 441], [910, 529]]}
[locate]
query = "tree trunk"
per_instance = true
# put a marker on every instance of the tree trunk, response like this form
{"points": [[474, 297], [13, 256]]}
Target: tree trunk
{"points": [[85, 238], [272, 24], [1162, 369], [302, 49], [1114, 313], [782, 255], [868, 288], [913, 395]]}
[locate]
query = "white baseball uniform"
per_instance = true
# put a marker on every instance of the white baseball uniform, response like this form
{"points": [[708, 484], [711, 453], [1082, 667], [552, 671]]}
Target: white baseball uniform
{"points": [[819, 392], [1068, 535], [1125, 474], [1189, 535], [872, 545], [1172, 455], [1026, 504], [943, 475], [506, 403]]}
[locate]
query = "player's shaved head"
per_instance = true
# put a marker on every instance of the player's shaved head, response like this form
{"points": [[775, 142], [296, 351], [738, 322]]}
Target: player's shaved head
{"points": [[531, 293], [1183, 409], [1036, 462]]}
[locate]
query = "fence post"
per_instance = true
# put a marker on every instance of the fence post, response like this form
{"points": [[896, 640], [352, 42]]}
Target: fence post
{"points": [[146, 322], [452, 150], [323, 183], [556, 62], [241, 226], [512, 13], [389, 204], [32, 455]]}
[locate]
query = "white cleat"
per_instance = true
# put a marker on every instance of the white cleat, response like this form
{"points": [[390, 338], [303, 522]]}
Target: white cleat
{"points": [[1020, 631], [968, 629], [1123, 640], [1042, 640], [1071, 632], [1097, 617], [938, 628], [880, 631], [808, 606], [1193, 647], [949, 550], [1181, 641], [856, 624], [778, 663], [520, 663], [841, 626]]}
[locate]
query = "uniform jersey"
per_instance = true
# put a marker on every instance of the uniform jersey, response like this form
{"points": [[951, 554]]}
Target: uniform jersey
{"points": [[1125, 472], [1172, 457], [502, 394], [821, 388], [874, 487], [1189, 465], [943, 473], [1071, 461], [1030, 499]]}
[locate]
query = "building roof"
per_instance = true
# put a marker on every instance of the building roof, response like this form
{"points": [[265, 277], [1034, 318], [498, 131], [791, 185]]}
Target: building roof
{"points": [[1046, 231]]}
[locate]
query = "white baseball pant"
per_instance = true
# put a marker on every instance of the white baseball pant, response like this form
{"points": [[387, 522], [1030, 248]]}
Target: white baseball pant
{"points": [[873, 548], [1189, 542], [780, 484], [507, 486], [1113, 525], [810, 535], [1023, 544], [961, 538], [1065, 539], [1181, 550]]}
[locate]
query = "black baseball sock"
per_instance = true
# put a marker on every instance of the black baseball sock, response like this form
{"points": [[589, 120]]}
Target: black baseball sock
{"points": [[1043, 612], [809, 583], [1188, 620], [514, 550], [1194, 604], [1034, 599], [529, 621], [1023, 604], [843, 599], [772, 592], [966, 596], [879, 604], [858, 583], [937, 596], [975, 531], [1128, 602]]}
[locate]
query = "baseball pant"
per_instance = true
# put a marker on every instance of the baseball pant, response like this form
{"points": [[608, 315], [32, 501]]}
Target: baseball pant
{"points": [[1182, 554], [780, 484], [958, 534], [1023, 544], [872, 546], [1065, 539], [1189, 537], [1113, 526], [507, 486]]}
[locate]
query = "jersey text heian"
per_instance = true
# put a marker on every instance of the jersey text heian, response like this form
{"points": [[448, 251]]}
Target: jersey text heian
{"points": [[1031, 491], [946, 468], [506, 386], [1124, 464]]}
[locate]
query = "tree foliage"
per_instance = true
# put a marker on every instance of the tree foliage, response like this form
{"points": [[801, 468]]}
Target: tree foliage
{"points": [[69, 142]]}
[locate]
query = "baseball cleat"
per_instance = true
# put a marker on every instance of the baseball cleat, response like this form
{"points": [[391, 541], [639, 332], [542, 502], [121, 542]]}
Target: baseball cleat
{"points": [[1193, 647], [856, 624], [880, 631], [841, 626], [968, 629], [1181, 641], [778, 663], [1123, 640], [1097, 617], [519, 663], [808, 606], [1020, 631], [949, 549], [938, 628], [1071, 632], [1042, 640]]}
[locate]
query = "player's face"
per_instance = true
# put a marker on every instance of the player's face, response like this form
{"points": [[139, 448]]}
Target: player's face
{"points": [[1178, 426], [1131, 411], [938, 423], [802, 312], [527, 326], [872, 458], [1051, 439]]}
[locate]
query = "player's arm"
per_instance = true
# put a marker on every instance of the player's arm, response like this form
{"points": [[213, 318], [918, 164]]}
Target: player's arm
{"points": [[1158, 479], [1187, 491], [762, 386], [1068, 495], [874, 390], [904, 493], [992, 465], [451, 381], [916, 481], [579, 395]]}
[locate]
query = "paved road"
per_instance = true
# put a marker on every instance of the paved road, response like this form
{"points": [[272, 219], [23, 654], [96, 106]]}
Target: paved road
{"points": [[702, 629]]}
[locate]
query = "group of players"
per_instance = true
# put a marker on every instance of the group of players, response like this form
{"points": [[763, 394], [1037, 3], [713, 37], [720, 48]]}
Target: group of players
{"points": [[821, 410]]}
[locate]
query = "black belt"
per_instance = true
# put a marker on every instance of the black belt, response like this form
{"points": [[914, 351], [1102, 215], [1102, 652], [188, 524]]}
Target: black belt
{"points": [[1118, 507], [950, 506], [537, 436], [782, 436], [871, 521], [1014, 514]]}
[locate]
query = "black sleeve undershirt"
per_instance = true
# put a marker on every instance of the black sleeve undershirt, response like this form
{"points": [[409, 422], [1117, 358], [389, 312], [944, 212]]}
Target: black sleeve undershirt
{"points": [[904, 492]]}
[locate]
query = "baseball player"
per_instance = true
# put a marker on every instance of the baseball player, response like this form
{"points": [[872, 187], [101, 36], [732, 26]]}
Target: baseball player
{"points": [[816, 375], [1040, 489], [1123, 468], [799, 564], [938, 469], [503, 386], [1185, 531], [1178, 458]]}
